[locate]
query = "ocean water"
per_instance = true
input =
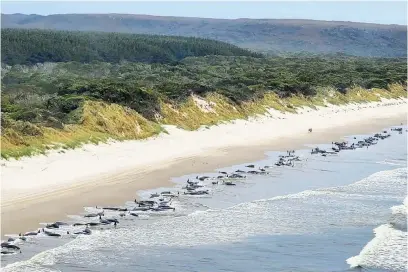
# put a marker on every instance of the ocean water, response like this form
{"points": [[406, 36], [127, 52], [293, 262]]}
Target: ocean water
{"points": [[343, 212]]}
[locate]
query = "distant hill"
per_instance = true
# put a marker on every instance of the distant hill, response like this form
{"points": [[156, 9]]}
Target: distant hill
{"points": [[31, 46], [264, 35]]}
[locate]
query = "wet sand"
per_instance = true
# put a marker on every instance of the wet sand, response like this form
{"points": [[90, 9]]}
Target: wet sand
{"points": [[25, 213]]}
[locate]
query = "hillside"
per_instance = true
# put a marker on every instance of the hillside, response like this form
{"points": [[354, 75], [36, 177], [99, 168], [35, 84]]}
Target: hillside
{"points": [[31, 46], [64, 105], [263, 35]]}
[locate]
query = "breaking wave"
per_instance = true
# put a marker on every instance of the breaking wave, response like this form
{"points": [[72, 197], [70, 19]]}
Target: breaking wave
{"points": [[388, 249]]}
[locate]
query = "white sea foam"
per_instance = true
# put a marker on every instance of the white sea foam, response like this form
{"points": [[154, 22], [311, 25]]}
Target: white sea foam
{"points": [[388, 250], [383, 183], [401, 209]]}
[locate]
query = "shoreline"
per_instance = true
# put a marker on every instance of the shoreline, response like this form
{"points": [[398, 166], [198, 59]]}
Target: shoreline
{"points": [[24, 212]]}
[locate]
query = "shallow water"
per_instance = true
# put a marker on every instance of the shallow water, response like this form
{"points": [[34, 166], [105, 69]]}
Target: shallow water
{"points": [[317, 216]]}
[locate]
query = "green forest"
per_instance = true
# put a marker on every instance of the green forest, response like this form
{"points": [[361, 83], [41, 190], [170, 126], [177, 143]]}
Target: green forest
{"points": [[31, 46], [68, 75]]}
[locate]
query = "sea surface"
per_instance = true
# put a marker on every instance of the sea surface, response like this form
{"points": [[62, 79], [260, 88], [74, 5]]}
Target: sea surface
{"points": [[344, 212]]}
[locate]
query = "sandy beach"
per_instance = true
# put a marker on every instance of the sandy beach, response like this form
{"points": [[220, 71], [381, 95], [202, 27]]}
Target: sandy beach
{"points": [[47, 188]]}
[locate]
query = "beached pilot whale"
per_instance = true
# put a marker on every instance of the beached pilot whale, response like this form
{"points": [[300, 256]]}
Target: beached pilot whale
{"points": [[86, 231], [154, 195], [202, 192], [104, 221], [192, 186], [31, 233], [53, 234], [145, 203], [202, 178], [10, 246], [55, 225], [143, 209], [22, 238], [115, 209], [257, 172], [109, 219], [52, 226], [4, 252], [92, 224], [94, 214]]}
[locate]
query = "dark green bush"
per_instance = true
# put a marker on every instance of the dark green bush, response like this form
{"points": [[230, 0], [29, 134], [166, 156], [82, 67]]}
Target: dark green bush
{"points": [[126, 94]]}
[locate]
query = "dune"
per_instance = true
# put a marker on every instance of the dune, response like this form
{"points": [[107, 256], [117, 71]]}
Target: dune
{"points": [[48, 187]]}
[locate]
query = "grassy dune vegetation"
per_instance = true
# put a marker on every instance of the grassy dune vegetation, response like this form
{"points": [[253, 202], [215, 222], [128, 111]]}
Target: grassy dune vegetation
{"points": [[65, 104]]}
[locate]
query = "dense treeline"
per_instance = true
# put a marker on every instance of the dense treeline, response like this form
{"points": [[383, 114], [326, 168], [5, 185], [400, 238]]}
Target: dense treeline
{"points": [[51, 93], [25, 46]]}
